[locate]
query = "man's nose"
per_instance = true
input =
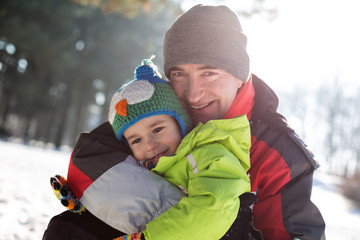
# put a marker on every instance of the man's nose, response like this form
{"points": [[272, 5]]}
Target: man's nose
{"points": [[195, 90]]}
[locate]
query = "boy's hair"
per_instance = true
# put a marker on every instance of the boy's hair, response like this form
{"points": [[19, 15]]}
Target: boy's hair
{"points": [[145, 96]]}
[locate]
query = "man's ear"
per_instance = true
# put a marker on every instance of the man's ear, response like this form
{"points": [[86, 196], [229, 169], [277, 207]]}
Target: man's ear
{"points": [[241, 83]]}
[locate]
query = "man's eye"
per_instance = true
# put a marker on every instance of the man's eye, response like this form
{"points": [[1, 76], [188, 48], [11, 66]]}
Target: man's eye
{"points": [[177, 74], [136, 141], [209, 73], [156, 130]]}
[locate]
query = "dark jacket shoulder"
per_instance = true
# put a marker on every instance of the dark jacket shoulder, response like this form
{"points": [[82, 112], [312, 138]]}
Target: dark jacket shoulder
{"points": [[99, 150], [272, 127]]}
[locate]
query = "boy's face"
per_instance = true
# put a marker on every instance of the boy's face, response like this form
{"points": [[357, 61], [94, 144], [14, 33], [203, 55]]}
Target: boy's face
{"points": [[153, 137], [205, 92]]}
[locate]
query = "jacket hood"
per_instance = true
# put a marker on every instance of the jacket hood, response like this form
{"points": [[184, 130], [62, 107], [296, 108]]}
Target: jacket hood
{"points": [[266, 100], [265, 107], [233, 133]]}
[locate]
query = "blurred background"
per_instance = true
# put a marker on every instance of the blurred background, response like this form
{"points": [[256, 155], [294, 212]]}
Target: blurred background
{"points": [[61, 61]]}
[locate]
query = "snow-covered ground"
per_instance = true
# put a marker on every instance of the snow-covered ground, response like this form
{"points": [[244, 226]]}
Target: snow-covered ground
{"points": [[27, 202]]}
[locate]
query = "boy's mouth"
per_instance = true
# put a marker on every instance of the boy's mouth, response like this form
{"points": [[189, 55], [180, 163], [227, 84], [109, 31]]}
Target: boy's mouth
{"points": [[156, 158]]}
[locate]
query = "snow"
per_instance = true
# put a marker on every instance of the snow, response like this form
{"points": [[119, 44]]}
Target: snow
{"points": [[341, 217], [27, 202]]}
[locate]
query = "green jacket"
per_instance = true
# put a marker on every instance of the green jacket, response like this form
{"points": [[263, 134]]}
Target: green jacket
{"points": [[210, 166]]}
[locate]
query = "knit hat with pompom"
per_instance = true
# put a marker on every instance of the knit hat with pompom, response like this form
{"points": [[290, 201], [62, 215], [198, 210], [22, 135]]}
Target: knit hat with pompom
{"points": [[145, 96]]}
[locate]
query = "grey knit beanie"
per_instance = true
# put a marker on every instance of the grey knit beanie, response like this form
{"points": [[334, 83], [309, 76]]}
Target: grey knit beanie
{"points": [[208, 35]]}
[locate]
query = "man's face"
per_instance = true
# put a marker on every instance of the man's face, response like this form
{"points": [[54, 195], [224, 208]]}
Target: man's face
{"points": [[205, 92], [153, 137]]}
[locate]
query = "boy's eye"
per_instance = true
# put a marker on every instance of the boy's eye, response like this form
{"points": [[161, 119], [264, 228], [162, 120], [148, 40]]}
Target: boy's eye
{"points": [[136, 141], [158, 129]]}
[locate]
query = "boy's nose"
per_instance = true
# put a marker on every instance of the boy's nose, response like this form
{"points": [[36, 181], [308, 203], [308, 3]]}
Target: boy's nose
{"points": [[151, 144]]}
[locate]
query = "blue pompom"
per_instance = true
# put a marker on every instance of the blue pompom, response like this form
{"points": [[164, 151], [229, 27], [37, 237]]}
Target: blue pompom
{"points": [[144, 72], [147, 70]]}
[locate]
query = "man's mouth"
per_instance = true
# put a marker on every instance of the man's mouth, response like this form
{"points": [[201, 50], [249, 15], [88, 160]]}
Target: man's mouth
{"points": [[197, 107]]}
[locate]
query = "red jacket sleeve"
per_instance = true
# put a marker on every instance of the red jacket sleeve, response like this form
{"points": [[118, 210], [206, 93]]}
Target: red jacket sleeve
{"points": [[282, 174]]}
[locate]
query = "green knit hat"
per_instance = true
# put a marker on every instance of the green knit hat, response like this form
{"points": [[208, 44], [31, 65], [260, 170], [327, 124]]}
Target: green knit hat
{"points": [[145, 96]]}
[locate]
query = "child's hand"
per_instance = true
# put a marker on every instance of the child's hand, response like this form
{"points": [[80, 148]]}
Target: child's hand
{"points": [[64, 193], [146, 163], [134, 236]]}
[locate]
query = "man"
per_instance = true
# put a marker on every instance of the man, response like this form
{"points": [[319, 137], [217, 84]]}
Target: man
{"points": [[207, 64], [208, 67]]}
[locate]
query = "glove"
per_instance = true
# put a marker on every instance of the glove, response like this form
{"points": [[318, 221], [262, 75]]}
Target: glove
{"points": [[134, 236], [243, 227], [147, 164], [64, 193]]}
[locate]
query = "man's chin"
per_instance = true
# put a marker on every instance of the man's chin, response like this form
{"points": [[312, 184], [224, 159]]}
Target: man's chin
{"points": [[205, 114], [197, 119]]}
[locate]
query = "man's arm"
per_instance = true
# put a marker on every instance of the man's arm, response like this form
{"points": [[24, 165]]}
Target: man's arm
{"points": [[281, 174]]}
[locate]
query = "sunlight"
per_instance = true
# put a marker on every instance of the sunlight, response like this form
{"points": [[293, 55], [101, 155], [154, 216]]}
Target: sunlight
{"points": [[10, 48], [309, 42]]}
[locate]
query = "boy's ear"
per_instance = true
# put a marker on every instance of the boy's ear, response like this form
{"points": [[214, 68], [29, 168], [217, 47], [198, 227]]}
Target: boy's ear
{"points": [[127, 144]]}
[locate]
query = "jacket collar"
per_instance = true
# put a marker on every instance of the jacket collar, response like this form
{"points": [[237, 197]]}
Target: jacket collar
{"points": [[265, 101], [265, 107], [243, 102]]}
